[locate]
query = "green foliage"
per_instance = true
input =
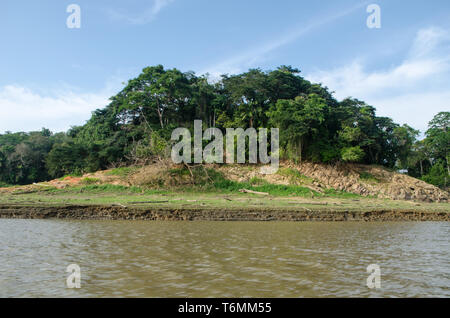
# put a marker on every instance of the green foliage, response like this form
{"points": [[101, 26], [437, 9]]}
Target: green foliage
{"points": [[340, 194], [102, 188], [294, 175], [22, 156], [122, 171], [368, 177], [135, 128], [89, 181], [299, 122], [429, 158], [70, 175], [438, 175], [352, 154], [66, 158], [255, 181]]}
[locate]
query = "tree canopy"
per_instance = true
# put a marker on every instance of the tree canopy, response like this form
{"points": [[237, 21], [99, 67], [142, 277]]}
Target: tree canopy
{"points": [[314, 126]]}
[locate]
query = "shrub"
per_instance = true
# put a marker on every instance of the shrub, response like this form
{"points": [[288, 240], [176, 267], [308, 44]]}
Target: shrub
{"points": [[352, 154], [437, 176], [88, 181]]}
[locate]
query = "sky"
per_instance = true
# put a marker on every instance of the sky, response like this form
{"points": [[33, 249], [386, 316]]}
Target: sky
{"points": [[53, 76]]}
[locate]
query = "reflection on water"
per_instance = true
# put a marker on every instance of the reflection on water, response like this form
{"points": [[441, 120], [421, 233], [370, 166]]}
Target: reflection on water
{"points": [[222, 259]]}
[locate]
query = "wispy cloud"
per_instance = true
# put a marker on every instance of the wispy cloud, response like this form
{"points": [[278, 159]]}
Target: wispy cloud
{"points": [[410, 92], [25, 109], [144, 17], [251, 57]]}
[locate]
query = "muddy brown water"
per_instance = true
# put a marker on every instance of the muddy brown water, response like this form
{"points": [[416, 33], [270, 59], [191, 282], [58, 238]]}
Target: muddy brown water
{"points": [[223, 259]]}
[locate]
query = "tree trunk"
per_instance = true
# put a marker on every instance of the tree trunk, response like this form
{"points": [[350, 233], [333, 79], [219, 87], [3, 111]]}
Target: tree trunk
{"points": [[448, 167], [300, 148], [160, 115]]}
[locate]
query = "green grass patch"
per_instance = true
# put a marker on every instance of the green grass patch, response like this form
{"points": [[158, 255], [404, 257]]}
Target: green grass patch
{"points": [[103, 188], [333, 193], [255, 181], [210, 181], [368, 177], [72, 175], [294, 175], [88, 181], [122, 172], [179, 172], [220, 183]]}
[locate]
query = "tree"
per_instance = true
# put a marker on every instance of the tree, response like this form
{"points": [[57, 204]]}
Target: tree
{"points": [[136, 126], [298, 121], [352, 154], [250, 98], [405, 138], [165, 93], [66, 158], [438, 138]]}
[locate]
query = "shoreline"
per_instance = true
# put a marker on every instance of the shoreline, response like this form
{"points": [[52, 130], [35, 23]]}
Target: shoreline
{"points": [[111, 212]]}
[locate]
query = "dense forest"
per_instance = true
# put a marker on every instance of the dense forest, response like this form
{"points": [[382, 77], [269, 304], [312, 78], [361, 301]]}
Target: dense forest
{"points": [[136, 127]]}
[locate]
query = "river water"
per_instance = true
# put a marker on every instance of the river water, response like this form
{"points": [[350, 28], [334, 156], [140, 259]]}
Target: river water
{"points": [[223, 259]]}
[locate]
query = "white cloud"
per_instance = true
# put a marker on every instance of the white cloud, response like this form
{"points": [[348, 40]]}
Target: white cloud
{"points": [[429, 41], [415, 109], [22, 109], [145, 17], [411, 92], [249, 58], [353, 80]]}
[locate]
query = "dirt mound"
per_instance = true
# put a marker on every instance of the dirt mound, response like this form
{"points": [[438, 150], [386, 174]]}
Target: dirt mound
{"points": [[375, 181], [360, 179]]}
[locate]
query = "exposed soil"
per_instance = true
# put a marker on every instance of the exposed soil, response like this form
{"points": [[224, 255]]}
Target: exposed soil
{"points": [[380, 182], [359, 179], [197, 214]]}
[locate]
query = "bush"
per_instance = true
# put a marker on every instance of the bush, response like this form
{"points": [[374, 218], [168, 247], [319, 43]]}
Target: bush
{"points": [[352, 154], [437, 176], [88, 181], [368, 177], [122, 171]]}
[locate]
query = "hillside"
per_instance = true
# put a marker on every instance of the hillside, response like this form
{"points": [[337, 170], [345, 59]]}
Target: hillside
{"points": [[319, 179]]}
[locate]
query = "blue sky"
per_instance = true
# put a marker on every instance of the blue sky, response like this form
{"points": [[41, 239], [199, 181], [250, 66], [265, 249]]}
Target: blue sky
{"points": [[53, 76]]}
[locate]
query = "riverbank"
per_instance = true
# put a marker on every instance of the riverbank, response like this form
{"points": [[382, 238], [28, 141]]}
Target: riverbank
{"points": [[199, 194], [93, 212], [116, 203]]}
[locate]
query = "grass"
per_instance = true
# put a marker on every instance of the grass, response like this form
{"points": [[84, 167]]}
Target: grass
{"points": [[209, 180], [88, 181], [294, 175], [102, 188], [210, 189], [212, 181], [72, 175], [122, 172], [134, 197], [368, 177], [333, 193]]}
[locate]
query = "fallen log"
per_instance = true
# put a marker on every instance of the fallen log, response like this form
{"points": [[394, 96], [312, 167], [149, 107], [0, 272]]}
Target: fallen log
{"points": [[154, 202], [119, 204], [253, 192]]}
